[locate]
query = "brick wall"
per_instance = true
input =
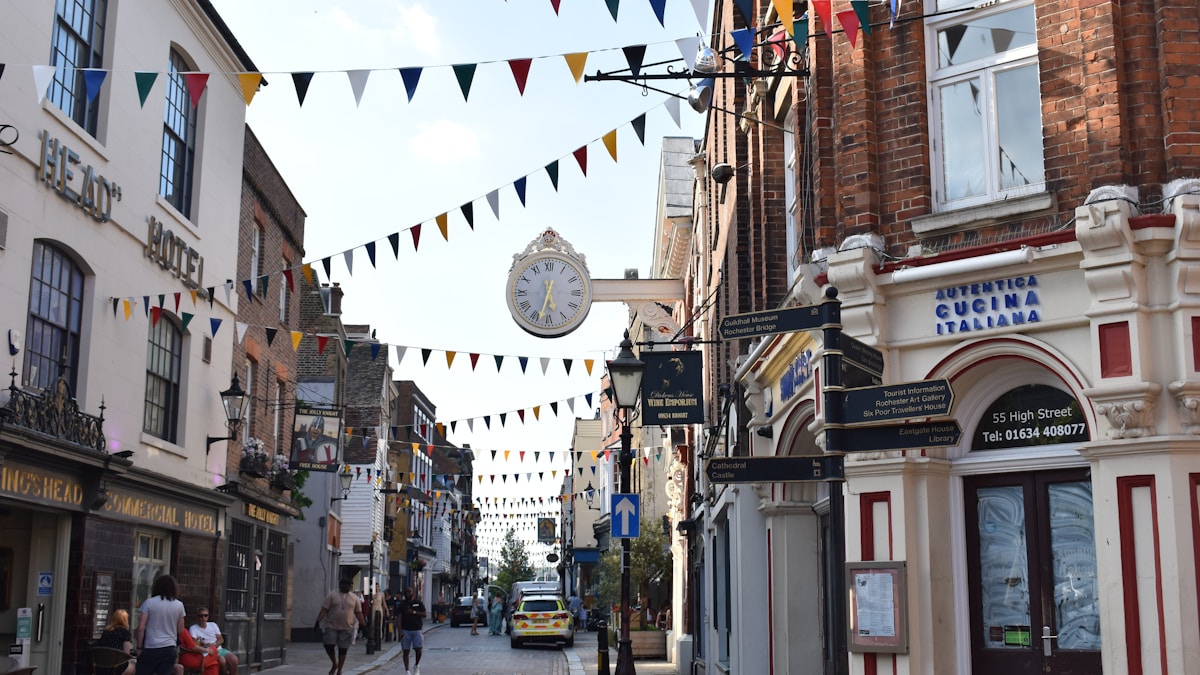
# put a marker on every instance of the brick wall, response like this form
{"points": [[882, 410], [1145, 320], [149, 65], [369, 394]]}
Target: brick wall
{"points": [[269, 205]]}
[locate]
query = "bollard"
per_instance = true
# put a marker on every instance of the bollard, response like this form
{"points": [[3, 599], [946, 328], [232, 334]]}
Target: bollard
{"points": [[602, 647]]}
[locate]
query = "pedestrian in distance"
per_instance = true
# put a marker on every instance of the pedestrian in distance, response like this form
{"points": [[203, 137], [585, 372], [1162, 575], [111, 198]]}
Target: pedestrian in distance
{"points": [[574, 604], [412, 615], [496, 615], [476, 614], [340, 610], [160, 622]]}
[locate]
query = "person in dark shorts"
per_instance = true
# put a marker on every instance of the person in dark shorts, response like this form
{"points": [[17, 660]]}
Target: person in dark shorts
{"points": [[412, 615]]}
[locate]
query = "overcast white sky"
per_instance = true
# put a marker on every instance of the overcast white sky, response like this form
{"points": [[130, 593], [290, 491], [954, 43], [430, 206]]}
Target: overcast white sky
{"points": [[362, 173]]}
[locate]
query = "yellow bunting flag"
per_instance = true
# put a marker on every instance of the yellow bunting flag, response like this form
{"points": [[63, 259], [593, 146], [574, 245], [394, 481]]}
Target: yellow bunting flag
{"points": [[296, 337], [610, 142], [536, 410], [588, 363], [250, 82], [593, 455], [128, 309], [416, 448], [450, 358], [576, 62], [444, 225], [308, 273], [194, 294], [506, 455], [784, 8]]}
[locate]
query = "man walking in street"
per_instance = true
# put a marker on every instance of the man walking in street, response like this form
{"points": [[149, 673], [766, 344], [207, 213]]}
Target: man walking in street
{"points": [[340, 609], [412, 615]]}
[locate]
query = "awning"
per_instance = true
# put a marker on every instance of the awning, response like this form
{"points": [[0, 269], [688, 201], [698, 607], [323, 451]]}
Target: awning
{"points": [[586, 555]]}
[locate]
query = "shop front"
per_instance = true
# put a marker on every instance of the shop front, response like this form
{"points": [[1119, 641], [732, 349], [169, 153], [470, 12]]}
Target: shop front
{"points": [[84, 532], [1030, 539], [255, 613]]}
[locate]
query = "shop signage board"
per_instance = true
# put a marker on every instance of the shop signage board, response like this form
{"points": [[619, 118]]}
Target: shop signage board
{"points": [[903, 436], [894, 402], [813, 468], [758, 324]]}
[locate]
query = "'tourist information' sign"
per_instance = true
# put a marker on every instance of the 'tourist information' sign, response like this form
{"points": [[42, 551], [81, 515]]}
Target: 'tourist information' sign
{"points": [[892, 402], [1032, 414]]}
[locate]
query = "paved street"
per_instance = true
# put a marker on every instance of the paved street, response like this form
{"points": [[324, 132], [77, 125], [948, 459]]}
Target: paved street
{"points": [[454, 651]]}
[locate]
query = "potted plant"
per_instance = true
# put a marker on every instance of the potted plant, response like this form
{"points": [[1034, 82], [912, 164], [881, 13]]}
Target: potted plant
{"points": [[254, 459], [649, 565], [281, 477]]}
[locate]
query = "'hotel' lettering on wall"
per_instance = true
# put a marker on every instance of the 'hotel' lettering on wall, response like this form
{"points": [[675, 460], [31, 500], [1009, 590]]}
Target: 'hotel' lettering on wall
{"points": [[174, 254]]}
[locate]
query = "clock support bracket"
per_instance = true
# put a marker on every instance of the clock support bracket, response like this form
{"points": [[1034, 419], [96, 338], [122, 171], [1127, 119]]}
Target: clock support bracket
{"points": [[645, 298]]}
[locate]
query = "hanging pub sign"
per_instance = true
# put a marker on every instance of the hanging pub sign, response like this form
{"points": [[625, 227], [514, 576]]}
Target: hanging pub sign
{"points": [[315, 439], [672, 388], [545, 530], [1032, 414]]}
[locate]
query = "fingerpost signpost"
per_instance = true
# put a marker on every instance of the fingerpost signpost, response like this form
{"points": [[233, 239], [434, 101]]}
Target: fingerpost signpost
{"points": [[860, 418]]}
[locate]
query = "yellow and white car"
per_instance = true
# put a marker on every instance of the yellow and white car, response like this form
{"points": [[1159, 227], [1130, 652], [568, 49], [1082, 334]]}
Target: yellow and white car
{"points": [[541, 618]]}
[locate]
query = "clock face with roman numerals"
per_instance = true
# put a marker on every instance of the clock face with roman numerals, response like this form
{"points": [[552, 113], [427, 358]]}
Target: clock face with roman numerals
{"points": [[549, 294]]}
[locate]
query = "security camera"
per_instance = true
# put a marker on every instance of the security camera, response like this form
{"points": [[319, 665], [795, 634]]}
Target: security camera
{"points": [[722, 173]]}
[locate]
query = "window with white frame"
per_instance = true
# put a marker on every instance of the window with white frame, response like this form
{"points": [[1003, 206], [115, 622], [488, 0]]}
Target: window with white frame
{"points": [[55, 314], [986, 103], [277, 411], [179, 138], [164, 359], [795, 250], [256, 245], [151, 552], [283, 295], [251, 383], [77, 43]]}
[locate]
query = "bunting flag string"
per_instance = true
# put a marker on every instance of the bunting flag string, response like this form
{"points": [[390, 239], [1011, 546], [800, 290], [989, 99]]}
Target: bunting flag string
{"points": [[852, 22], [259, 283], [154, 314]]}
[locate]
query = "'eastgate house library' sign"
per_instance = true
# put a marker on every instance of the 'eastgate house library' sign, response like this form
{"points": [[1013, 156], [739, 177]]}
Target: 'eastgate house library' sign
{"points": [[987, 304]]}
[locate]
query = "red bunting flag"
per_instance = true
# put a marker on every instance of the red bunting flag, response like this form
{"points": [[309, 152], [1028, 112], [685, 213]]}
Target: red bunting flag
{"points": [[849, 20], [520, 71], [581, 157]]}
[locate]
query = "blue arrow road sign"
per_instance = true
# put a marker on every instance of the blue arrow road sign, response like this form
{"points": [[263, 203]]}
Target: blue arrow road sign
{"points": [[626, 516]]}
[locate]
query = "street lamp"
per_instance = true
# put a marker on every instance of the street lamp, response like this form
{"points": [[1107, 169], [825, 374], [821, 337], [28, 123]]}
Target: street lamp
{"points": [[625, 374], [589, 496], [234, 400], [347, 479]]}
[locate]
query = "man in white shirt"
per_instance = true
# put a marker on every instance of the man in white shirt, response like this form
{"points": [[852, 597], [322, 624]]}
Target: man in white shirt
{"points": [[206, 633]]}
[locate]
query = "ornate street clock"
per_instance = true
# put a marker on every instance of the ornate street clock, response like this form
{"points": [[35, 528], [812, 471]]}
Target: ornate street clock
{"points": [[549, 289]]}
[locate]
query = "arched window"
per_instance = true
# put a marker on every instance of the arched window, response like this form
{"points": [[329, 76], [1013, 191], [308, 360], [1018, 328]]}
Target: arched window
{"points": [[164, 356], [55, 310], [179, 139]]}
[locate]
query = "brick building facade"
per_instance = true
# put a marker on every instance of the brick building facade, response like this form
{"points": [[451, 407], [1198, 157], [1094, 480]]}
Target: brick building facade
{"points": [[1004, 197]]}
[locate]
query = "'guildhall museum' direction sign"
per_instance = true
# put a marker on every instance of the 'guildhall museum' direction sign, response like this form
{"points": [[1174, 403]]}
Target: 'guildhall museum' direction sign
{"points": [[757, 324], [774, 469], [893, 402], [903, 436]]}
